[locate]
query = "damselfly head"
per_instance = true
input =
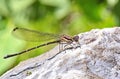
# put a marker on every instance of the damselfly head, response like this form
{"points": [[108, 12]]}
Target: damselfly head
{"points": [[76, 38]]}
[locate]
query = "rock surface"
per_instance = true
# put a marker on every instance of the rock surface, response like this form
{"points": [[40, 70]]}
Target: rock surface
{"points": [[97, 57]]}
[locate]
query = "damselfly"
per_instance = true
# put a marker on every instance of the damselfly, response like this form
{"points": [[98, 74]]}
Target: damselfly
{"points": [[31, 35]]}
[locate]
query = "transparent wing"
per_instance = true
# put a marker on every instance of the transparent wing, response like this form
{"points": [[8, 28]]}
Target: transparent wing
{"points": [[31, 35]]}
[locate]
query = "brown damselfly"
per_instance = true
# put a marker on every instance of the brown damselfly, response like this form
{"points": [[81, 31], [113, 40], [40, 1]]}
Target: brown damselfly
{"points": [[31, 35]]}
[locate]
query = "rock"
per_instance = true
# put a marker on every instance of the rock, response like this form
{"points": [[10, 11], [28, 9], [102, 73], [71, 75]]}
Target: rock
{"points": [[96, 56]]}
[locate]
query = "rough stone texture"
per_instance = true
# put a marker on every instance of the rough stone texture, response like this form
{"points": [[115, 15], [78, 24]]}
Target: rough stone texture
{"points": [[98, 57]]}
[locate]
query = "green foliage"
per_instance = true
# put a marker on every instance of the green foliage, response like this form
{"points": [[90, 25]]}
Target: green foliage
{"points": [[52, 16]]}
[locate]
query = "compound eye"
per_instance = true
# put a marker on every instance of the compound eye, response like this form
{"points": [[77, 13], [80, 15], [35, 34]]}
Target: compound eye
{"points": [[76, 38]]}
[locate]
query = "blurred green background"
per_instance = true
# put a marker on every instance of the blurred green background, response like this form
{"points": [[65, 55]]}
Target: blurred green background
{"points": [[52, 16]]}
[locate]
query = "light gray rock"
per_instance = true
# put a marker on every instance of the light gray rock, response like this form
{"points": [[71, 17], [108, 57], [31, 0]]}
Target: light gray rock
{"points": [[97, 57]]}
